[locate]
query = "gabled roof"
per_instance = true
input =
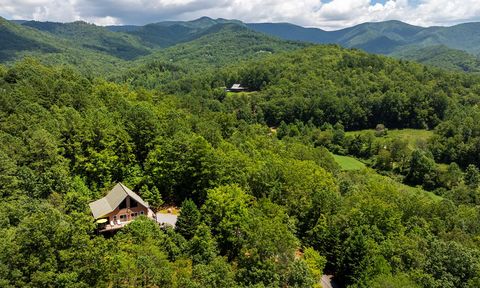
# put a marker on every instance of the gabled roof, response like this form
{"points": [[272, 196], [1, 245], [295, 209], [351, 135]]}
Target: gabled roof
{"points": [[237, 86], [110, 202]]}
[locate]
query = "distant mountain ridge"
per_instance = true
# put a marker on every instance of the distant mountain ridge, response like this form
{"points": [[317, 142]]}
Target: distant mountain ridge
{"points": [[393, 38], [101, 50], [129, 41], [18, 41], [94, 37], [463, 36], [455, 47]]}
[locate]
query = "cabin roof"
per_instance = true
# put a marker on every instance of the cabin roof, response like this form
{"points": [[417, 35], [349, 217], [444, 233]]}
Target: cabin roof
{"points": [[237, 88], [107, 204]]}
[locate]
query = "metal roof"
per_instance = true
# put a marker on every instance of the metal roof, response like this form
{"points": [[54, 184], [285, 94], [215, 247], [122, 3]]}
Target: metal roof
{"points": [[110, 202]]}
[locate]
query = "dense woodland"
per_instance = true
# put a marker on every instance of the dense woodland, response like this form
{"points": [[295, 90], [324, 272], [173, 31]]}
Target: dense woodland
{"points": [[264, 203]]}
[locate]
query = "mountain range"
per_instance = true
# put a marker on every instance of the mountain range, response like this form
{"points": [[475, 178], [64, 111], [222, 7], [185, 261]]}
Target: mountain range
{"points": [[456, 47]]}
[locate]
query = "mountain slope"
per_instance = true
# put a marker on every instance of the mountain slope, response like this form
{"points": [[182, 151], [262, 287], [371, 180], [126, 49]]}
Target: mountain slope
{"points": [[169, 33], [368, 36], [226, 43], [440, 56], [20, 41], [293, 32], [380, 38], [463, 37], [94, 37], [394, 38], [221, 45], [331, 84], [446, 47], [197, 44]]}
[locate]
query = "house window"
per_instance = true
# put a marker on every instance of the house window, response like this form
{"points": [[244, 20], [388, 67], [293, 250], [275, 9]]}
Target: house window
{"points": [[123, 205], [123, 217], [141, 212], [133, 203], [114, 218], [133, 215]]}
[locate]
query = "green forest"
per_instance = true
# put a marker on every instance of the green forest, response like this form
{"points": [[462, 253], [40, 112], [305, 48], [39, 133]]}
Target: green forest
{"points": [[335, 162]]}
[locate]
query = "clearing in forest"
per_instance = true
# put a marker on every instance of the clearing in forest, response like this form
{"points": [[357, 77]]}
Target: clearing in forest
{"points": [[416, 138], [348, 163]]}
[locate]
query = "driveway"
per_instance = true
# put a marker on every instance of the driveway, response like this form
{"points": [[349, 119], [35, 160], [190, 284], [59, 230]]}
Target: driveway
{"points": [[167, 218]]}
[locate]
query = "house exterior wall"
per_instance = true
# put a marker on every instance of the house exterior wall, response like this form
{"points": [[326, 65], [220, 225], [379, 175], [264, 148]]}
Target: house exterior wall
{"points": [[114, 216]]}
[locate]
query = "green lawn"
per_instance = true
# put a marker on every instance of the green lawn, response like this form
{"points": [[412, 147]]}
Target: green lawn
{"points": [[348, 163], [415, 137]]}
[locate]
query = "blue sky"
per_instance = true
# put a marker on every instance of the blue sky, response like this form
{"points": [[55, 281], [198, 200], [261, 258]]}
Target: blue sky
{"points": [[326, 14]]}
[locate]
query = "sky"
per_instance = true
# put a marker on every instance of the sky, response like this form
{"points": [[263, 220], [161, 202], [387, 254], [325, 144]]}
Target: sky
{"points": [[325, 14]]}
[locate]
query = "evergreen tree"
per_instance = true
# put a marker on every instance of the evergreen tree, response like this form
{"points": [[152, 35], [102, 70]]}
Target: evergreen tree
{"points": [[188, 220], [152, 196]]}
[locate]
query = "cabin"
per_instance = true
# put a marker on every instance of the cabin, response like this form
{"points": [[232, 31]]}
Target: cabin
{"points": [[237, 88], [118, 208]]}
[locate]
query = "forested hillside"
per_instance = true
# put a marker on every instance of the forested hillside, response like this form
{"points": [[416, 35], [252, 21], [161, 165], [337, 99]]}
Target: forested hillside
{"points": [[381, 37], [110, 51], [441, 56], [169, 33], [188, 64], [267, 196], [453, 47], [95, 38], [19, 41]]}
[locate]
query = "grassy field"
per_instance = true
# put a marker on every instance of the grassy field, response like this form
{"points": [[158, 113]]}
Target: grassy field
{"points": [[416, 138], [409, 189], [415, 190], [348, 163], [372, 175]]}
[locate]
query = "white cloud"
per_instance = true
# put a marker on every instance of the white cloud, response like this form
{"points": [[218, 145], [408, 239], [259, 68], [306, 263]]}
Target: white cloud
{"points": [[332, 14], [58, 10], [447, 12]]}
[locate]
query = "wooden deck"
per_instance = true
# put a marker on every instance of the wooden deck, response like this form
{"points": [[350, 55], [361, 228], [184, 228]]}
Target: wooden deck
{"points": [[161, 218], [110, 227]]}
